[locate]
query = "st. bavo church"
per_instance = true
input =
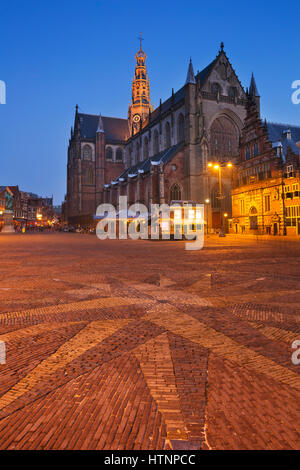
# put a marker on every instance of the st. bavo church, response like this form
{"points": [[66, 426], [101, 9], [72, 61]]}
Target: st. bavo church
{"points": [[159, 154]]}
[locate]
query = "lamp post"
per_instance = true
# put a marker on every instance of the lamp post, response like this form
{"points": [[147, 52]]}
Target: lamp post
{"points": [[283, 194], [218, 167], [207, 201]]}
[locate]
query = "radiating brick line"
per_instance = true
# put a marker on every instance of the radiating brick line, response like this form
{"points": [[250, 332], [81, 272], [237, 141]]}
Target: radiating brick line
{"points": [[85, 339], [74, 306], [186, 326], [172, 295], [36, 330], [277, 334], [261, 313], [156, 363]]}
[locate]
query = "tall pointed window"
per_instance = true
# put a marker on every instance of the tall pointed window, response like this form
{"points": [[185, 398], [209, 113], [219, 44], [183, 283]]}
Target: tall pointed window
{"points": [[216, 88], [108, 153], [119, 154], [180, 128], [232, 92], [137, 152], [155, 142], [146, 148], [167, 135], [87, 152], [175, 192]]}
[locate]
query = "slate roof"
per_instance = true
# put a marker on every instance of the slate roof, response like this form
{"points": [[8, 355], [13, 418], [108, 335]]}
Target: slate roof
{"points": [[116, 129], [165, 156], [202, 76], [166, 105], [276, 134]]}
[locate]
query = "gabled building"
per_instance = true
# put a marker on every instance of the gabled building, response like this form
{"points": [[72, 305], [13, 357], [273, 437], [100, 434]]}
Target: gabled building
{"points": [[160, 154], [266, 183]]}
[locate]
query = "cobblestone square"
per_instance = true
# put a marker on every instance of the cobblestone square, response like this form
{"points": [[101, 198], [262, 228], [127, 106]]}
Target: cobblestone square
{"points": [[144, 345]]}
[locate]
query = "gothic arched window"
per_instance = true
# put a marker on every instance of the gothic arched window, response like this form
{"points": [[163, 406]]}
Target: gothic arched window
{"points": [[119, 154], [215, 197], [247, 153], [216, 88], [167, 135], [87, 152], [137, 152], [146, 148], [175, 192], [180, 128], [232, 93], [108, 153], [224, 138], [155, 143]]}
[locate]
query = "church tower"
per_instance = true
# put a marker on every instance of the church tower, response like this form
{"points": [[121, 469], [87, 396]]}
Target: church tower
{"points": [[140, 101]]}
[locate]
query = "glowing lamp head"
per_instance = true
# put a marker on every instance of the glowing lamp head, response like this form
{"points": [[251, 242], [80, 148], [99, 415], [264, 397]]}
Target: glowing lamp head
{"points": [[225, 214], [229, 165], [210, 165], [216, 166], [207, 201]]}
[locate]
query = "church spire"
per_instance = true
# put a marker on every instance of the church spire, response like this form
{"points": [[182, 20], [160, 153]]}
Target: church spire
{"points": [[140, 105], [253, 91], [100, 124], [253, 94], [190, 78]]}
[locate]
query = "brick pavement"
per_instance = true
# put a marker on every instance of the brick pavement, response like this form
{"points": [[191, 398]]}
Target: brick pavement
{"points": [[143, 345]]}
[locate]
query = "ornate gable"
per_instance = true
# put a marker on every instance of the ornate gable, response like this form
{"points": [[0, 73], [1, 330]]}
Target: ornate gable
{"points": [[220, 78]]}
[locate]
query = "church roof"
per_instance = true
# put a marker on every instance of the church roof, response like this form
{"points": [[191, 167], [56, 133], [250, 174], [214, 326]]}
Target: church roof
{"points": [[165, 156], [279, 133], [202, 76], [166, 105], [116, 129]]}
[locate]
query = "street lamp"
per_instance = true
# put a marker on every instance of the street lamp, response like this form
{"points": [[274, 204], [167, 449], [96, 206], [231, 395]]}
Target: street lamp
{"points": [[207, 201], [218, 167]]}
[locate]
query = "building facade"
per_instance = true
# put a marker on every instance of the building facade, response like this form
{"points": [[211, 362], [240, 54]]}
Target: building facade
{"points": [[266, 182], [158, 155]]}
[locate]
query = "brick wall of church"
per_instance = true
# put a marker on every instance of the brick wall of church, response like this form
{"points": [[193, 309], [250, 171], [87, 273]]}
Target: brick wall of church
{"points": [[174, 173]]}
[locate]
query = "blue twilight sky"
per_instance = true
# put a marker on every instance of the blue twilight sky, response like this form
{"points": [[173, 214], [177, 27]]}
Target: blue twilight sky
{"points": [[58, 53]]}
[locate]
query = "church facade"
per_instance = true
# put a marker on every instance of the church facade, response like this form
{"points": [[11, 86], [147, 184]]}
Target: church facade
{"points": [[160, 154]]}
